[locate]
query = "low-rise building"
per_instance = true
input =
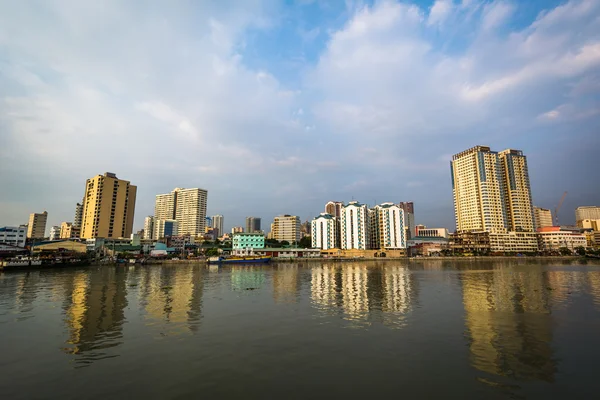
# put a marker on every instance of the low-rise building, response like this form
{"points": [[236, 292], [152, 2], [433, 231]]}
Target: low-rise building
{"points": [[281, 252], [427, 246], [514, 242], [237, 229], [14, 235], [470, 242], [553, 238], [69, 231], [60, 246], [423, 231], [244, 241]]}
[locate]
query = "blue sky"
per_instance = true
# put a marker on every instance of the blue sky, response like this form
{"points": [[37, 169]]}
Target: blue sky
{"points": [[277, 107]]}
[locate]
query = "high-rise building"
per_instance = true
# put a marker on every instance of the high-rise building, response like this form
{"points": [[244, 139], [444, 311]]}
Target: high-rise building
{"points": [[149, 229], [324, 233], [286, 227], [186, 206], [36, 229], [78, 215], [409, 218], [165, 228], [587, 212], [355, 227], [387, 227], [252, 224], [519, 207], [217, 223], [491, 191], [54, 232], [334, 208], [108, 207], [542, 217]]}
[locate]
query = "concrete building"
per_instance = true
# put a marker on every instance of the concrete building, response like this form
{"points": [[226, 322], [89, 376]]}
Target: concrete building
{"points": [[593, 224], [553, 238], [252, 224], [423, 231], [409, 218], [59, 245], [69, 231], [542, 217], [108, 207], [514, 242], [186, 206], [491, 191], [237, 229], [78, 218], [469, 242], [286, 227], [36, 229], [149, 228], [14, 235], [587, 212], [387, 227], [245, 240], [324, 232], [334, 208], [355, 227], [54, 232], [217, 223], [165, 228]]}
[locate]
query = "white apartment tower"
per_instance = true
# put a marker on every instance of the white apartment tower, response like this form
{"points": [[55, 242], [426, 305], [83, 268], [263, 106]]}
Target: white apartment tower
{"points": [[324, 233], [388, 230], [149, 228], [186, 206], [354, 226]]}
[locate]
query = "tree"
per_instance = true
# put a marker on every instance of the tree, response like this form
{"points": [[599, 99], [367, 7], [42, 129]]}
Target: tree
{"points": [[565, 251], [212, 252], [580, 250], [284, 243], [305, 242]]}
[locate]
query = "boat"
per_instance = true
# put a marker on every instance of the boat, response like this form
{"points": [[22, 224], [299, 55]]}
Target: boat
{"points": [[20, 262], [239, 260]]}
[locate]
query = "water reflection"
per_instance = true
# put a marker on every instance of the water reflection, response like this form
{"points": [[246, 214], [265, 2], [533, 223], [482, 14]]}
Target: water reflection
{"points": [[508, 323], [286, 283], [247, 277]]}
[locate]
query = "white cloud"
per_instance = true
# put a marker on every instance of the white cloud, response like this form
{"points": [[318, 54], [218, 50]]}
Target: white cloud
{"points": [[440, 10], [495, 14]]}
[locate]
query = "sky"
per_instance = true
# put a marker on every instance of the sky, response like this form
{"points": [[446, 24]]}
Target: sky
{"points": [[276, 107]]}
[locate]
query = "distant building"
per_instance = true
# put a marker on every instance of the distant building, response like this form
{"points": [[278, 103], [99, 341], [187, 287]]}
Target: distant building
{"points": [[69, 231], [252, 224], [542, 217], [286, 228], [165, 228], [324, 234], [334, 208], [149, 228], [587, 212], [247, 240], [423, 231], [355, 226], [217, 223], [14, 235], [108, 207], [186, 206], [237, 229], [593, 224], [554, 238], [387, 227], [36, 229], [78, 218], [54, 232], [409, 218]]}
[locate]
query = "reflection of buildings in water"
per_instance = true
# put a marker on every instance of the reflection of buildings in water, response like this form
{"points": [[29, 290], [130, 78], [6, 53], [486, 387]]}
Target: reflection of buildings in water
{"points": [[508, 321], [563, 283], [286, 283], [323, 288], [355, 300], [26, 292], [96, 312], [246, 277], [397, 289]]}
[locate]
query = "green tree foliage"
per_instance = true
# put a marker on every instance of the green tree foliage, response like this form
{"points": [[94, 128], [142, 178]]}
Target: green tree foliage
{"points": [[212, 252], [305, 242], [580, 250], [565, 251]]}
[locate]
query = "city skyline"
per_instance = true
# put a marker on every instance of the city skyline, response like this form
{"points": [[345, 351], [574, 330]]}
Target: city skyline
{"points": [[364, 100]]}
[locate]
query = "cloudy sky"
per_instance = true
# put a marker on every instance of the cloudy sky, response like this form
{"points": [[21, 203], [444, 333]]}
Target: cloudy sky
{"points": [[277, 107]]}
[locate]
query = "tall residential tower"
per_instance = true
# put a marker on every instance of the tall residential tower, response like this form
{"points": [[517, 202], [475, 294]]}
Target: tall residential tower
{"points": [[36, 229]]}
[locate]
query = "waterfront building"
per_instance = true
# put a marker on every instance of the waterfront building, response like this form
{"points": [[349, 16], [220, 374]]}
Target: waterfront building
{"points": [[77, 219], [409, 218], [165, 228], [593, 224], [246, 240], [491, 191], [149, 228], [334, 208], [217, 223], [387, 227], [237, 229], [514, 242], [186, 206], [355, 226], [470, 242], [553, 238], [286, 228], [108, 207], [324, 229], [542, 217], [69, 231], [36, 229], [252, 224], [587, 212], [14, 235], [54, 232], [423, 231]]}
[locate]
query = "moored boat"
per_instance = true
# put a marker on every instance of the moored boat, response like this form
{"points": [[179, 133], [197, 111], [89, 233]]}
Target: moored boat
{"points": [[20, 262], [239, 260]]}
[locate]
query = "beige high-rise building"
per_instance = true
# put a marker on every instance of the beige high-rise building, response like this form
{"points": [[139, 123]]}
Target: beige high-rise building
{"points": [[286, 227], [542, 217], [186, 206], [108, 207], [587, 212], [491, 191], [36, 229]]}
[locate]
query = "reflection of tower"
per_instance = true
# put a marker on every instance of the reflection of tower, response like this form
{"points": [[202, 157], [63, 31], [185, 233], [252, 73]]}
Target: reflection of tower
{"points": [[323, 285], [246, 277], [286, 283], [508, 320], [96, 312], [397, 292], [26, 291], [354, 291]]}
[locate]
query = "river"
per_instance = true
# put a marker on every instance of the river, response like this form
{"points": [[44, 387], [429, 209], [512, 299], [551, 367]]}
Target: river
{"points": [[425, 329]]}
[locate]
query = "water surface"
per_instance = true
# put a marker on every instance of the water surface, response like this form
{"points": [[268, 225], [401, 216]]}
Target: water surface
{"points": [[506, 329]]}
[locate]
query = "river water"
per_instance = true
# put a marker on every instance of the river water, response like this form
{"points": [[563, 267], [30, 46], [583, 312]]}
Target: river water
{"points": [[431, 329]]}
